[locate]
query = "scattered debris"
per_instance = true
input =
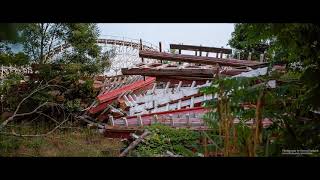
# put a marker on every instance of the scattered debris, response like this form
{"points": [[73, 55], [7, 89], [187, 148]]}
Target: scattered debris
{"points": [[135, 143]]}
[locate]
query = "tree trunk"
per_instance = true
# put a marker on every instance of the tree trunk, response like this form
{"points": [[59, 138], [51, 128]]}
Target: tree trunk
{"points": [[258, 124], [41, 43]]}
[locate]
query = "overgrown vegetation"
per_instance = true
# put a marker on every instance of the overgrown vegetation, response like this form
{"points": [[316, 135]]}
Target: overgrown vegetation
{"points": [[163, 138], [290, 105], [61, 86], [70, 142]]}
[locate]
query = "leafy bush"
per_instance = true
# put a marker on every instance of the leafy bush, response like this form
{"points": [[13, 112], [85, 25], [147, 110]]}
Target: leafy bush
{"points": [[163, 138]]}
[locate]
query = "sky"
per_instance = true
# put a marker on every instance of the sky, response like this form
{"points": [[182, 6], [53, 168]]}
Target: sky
{"points": [[205, 34]]}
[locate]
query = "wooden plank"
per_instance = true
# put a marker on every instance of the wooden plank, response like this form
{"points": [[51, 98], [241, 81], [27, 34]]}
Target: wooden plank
{"points": [[199, 59], [114, 94], [200, 48], [141, 48], [196, 110], [160, 49], [135, 143], [188, 72], [184, 79]]}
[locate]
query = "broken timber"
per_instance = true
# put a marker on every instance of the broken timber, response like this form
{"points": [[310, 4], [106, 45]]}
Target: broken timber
{"points": [[189, 72], [110, 96], [199, 59], [200, 48], [135, 143], [131, 87]]}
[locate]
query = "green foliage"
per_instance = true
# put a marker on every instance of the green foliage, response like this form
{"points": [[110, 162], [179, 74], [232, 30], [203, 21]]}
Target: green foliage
{"points": [[235, 91], [163, 138], [38, 39], [8, 31], [293, 42], [18, 59], [11, 80], [83, 38], [8, 144], [73, 105]]}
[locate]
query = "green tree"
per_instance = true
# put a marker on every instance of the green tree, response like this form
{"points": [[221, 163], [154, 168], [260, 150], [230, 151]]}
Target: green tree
{"points": [[293, 44], [8, 31], [39, 39], [292, 104]]}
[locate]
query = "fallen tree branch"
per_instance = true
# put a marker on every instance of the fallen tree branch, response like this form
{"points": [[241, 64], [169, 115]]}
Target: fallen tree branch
{"points": [[135, 143], [38, 89], [40, 113], [90, 122], [4, 123]]}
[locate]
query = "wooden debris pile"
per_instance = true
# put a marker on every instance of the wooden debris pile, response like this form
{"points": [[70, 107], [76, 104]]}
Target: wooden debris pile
{"points": [[166, 92]]}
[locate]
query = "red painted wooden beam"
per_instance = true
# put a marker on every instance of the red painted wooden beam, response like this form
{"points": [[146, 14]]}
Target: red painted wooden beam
{"points": [[99, 108], [196, 110], [109, 97], [131, 87]]}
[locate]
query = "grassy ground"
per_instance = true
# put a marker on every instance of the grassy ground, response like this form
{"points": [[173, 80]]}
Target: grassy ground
{"points": [[71, 143]]}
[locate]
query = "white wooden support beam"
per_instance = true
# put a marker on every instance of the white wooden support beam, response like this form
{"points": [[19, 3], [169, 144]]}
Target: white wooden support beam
{"points": [[249, 57], [127, 100], [121, 95], [125, 79], [167, 106], [188, 120], [132, 100], [135, 96], [179, 86], [261, 57], [179, 104], [167, 87], [193, 84], [116, 110], [125, 121], [192, 102], [153, 88], [105, 110], [155, 118], [171, 120], [139, 119], [111, 120], [204, 97]]}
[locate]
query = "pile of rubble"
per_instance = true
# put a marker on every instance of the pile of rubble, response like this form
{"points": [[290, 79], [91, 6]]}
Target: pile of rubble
{"points": [[166, 92]]}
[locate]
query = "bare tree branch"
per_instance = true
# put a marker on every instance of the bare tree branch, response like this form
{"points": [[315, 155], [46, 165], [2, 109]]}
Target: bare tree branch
{"points": [[53, 36], [4, 123], [48, 117], [35, 135]]}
